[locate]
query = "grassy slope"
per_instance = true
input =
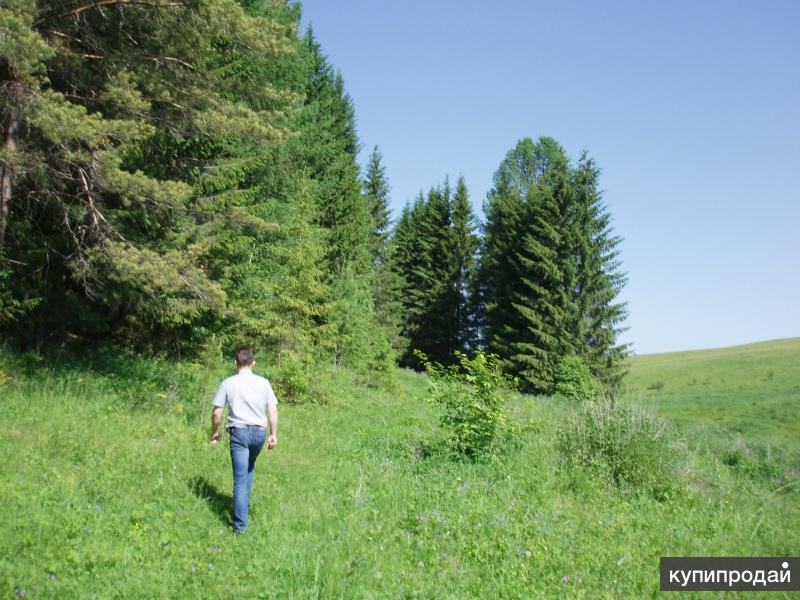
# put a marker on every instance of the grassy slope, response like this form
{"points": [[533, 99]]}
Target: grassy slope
{"points": [[753, 390], [111, 491]]}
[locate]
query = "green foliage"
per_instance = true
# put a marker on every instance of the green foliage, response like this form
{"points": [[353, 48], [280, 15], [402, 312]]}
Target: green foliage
{"points": [[11, 307], [387, 284], [596, 279], [624, 445], [188, 169], [758, 461], [473, 394], [389, 293], [326, 146], [291, 378], [549, 269], [130, 170], [465, 247], [376, 191], [433, 250], [520, 268], [380, 371], [574, 382]]}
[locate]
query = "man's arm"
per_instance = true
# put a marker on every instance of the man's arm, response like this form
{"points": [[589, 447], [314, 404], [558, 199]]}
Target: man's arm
{"points": [[273, 426], [216, 421]]}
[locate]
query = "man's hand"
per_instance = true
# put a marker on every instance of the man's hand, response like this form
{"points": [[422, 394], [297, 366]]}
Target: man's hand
{"points": [[216, 421], [273, 426]]}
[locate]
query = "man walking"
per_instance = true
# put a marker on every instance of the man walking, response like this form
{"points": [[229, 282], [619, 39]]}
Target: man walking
{"points": [[248, 397]]}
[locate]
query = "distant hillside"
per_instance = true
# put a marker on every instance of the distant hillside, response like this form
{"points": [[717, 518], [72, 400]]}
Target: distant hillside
{"points": [[752, 389]]}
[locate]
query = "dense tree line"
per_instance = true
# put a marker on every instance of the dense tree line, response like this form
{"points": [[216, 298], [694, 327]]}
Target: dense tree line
{"points": [[177, 170], [173, 173], [541, 287], [433, 250]]}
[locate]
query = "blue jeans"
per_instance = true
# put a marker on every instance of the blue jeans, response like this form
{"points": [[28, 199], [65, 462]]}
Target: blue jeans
{"points": [[246, 444]]}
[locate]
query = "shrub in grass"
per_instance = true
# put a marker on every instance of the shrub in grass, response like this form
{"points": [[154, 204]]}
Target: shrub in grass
{"points": [[380, 369], [473, 394], [626, 446], [574, 381], [290, 378], [756, 461]]}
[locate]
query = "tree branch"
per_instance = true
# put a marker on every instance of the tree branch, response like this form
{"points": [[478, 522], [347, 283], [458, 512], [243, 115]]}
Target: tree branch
{"points": [[100, 3], [156, 59], [97, 216]]}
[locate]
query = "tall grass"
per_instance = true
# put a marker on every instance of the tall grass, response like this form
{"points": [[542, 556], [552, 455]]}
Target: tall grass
{"points": [[111, 490], [624, 445]]}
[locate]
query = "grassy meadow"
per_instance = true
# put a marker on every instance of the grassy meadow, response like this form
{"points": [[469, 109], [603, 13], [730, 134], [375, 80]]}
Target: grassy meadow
{"points": [[110, 489], [751, 390]]}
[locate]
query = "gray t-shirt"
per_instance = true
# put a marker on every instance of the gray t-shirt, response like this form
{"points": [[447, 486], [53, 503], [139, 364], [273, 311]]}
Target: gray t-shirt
{"points": [[248, 396]]}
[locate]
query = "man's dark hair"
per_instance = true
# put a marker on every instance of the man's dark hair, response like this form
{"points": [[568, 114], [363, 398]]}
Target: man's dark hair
{"points": [[245, 356]]}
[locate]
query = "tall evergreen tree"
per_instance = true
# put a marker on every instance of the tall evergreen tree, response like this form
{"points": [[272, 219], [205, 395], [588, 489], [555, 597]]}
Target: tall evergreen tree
{"points": [[600, 279], [465, 247], [541, 301], [434, 295], [502, 271], [294, 308], [433, 249], [328, 145], [409, 263], [331, 144], [376, 192], [549, 272], [387, 284]]}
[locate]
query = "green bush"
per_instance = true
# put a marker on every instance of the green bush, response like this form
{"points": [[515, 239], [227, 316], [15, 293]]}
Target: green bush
{"points": [[756, 461], [380, 367], [626, 446], [574, 381], [290, 378], [473, 393]]}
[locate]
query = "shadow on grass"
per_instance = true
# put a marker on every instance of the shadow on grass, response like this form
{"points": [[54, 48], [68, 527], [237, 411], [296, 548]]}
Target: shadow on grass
{"points": [[219, 502]]}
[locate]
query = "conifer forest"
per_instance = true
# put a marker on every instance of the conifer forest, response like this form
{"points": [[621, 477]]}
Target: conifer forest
{"points": [[179, 174]]}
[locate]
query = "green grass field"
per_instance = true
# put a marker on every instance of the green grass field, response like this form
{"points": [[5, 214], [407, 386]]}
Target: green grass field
{"points": [[751, 390], [110, 489]]}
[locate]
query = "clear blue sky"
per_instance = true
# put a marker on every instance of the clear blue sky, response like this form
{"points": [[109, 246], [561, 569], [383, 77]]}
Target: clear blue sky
{"points": [[691, 109]]}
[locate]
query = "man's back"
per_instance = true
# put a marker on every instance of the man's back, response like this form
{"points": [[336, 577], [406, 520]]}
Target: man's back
{"points": [[248, 396]]}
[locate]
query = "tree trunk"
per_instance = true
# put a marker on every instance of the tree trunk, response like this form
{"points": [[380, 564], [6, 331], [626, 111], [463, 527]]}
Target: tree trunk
{"points": [[11, 122]]}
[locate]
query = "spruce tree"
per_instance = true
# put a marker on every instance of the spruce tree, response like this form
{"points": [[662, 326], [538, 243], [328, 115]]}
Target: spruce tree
{"points": [[600, 279], [549, 271], [409, 263], [434, 295], [331, 145], [327, 146], [376, 192], [465, 247], [433, 248], [387, 288], [502, 269], [540, 303]]}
